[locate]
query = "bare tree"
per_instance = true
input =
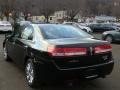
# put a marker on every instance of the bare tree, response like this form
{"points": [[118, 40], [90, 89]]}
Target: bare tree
{"points": [[46, 7], [70, 6], [2, 9], [26, 7], [6, 7]]}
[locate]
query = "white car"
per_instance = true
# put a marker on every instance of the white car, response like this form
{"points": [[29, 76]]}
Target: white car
{"points": [[5, 26], [117, 24], [84, 28]]}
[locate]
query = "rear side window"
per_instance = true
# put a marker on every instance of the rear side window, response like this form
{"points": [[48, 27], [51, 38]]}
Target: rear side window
{"points": [[27, 33]]}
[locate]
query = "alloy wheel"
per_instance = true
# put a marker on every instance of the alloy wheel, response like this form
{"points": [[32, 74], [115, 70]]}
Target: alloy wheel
{"points": [[29, 73], [5, 52], [109, 39]]}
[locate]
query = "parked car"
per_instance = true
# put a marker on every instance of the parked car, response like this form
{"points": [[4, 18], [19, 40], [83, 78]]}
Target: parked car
{"points": [[84, 28], [51, 52], [5, 26], [102, 27], [117, 24], [112, 36]]}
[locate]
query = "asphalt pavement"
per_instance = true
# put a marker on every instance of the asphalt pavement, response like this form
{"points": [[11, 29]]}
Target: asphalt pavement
{"points": [[12, 77]]}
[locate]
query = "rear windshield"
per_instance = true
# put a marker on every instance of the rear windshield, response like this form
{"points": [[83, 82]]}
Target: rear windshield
{"points": [[62, 31]]}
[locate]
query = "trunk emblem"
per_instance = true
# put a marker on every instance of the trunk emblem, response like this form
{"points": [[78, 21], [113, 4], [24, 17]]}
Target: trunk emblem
{"points": [[91, 51]]}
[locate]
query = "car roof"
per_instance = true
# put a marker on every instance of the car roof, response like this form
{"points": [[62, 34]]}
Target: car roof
{"points": [[22, 23], [44, 24], [32, 22], [59, 25]]}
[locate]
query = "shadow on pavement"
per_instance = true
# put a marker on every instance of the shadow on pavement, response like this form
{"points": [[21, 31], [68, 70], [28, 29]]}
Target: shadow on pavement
{"points": [[116, 43], [85, 85]]}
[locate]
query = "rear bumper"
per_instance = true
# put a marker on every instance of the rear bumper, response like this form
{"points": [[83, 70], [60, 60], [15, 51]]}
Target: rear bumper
{"points": [[51, 73]]}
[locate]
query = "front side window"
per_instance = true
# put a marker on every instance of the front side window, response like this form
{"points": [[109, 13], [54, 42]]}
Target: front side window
{"points": [[27, 33], [17, 30]]}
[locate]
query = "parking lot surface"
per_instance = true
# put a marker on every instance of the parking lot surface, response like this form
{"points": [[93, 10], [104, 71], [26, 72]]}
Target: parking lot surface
{"points": [[12, 77]]}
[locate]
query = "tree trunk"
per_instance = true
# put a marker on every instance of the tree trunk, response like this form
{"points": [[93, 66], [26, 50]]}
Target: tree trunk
{"points": [[1, 18], [26, 18], [7, 17], [71, 19], [15, 20], [47, 19]]}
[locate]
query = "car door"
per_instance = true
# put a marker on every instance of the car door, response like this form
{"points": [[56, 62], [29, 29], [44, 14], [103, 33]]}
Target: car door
{"points": [[10, 43], [21, 46]]}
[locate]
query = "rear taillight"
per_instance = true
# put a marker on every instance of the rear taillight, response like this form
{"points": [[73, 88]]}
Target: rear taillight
{"points": [[54, 51], [103, 48]]}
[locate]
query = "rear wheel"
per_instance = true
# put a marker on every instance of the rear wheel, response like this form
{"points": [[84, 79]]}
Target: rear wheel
{"points": [[31, 74], [109, 39]]}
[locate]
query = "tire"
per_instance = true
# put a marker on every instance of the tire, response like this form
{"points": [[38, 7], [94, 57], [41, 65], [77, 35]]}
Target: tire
{"points": [[31, 74], [6, 57], [109, 38]]}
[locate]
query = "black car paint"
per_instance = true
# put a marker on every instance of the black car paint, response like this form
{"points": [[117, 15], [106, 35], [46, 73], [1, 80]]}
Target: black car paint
{"points": [[60, 67]]}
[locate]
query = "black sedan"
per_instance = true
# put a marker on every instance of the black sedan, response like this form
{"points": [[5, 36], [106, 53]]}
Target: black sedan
{"points": [[51, 53], [111, 36]]}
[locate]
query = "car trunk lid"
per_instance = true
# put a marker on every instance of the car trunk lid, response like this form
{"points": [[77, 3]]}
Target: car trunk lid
{"points": [[81, 60]]}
